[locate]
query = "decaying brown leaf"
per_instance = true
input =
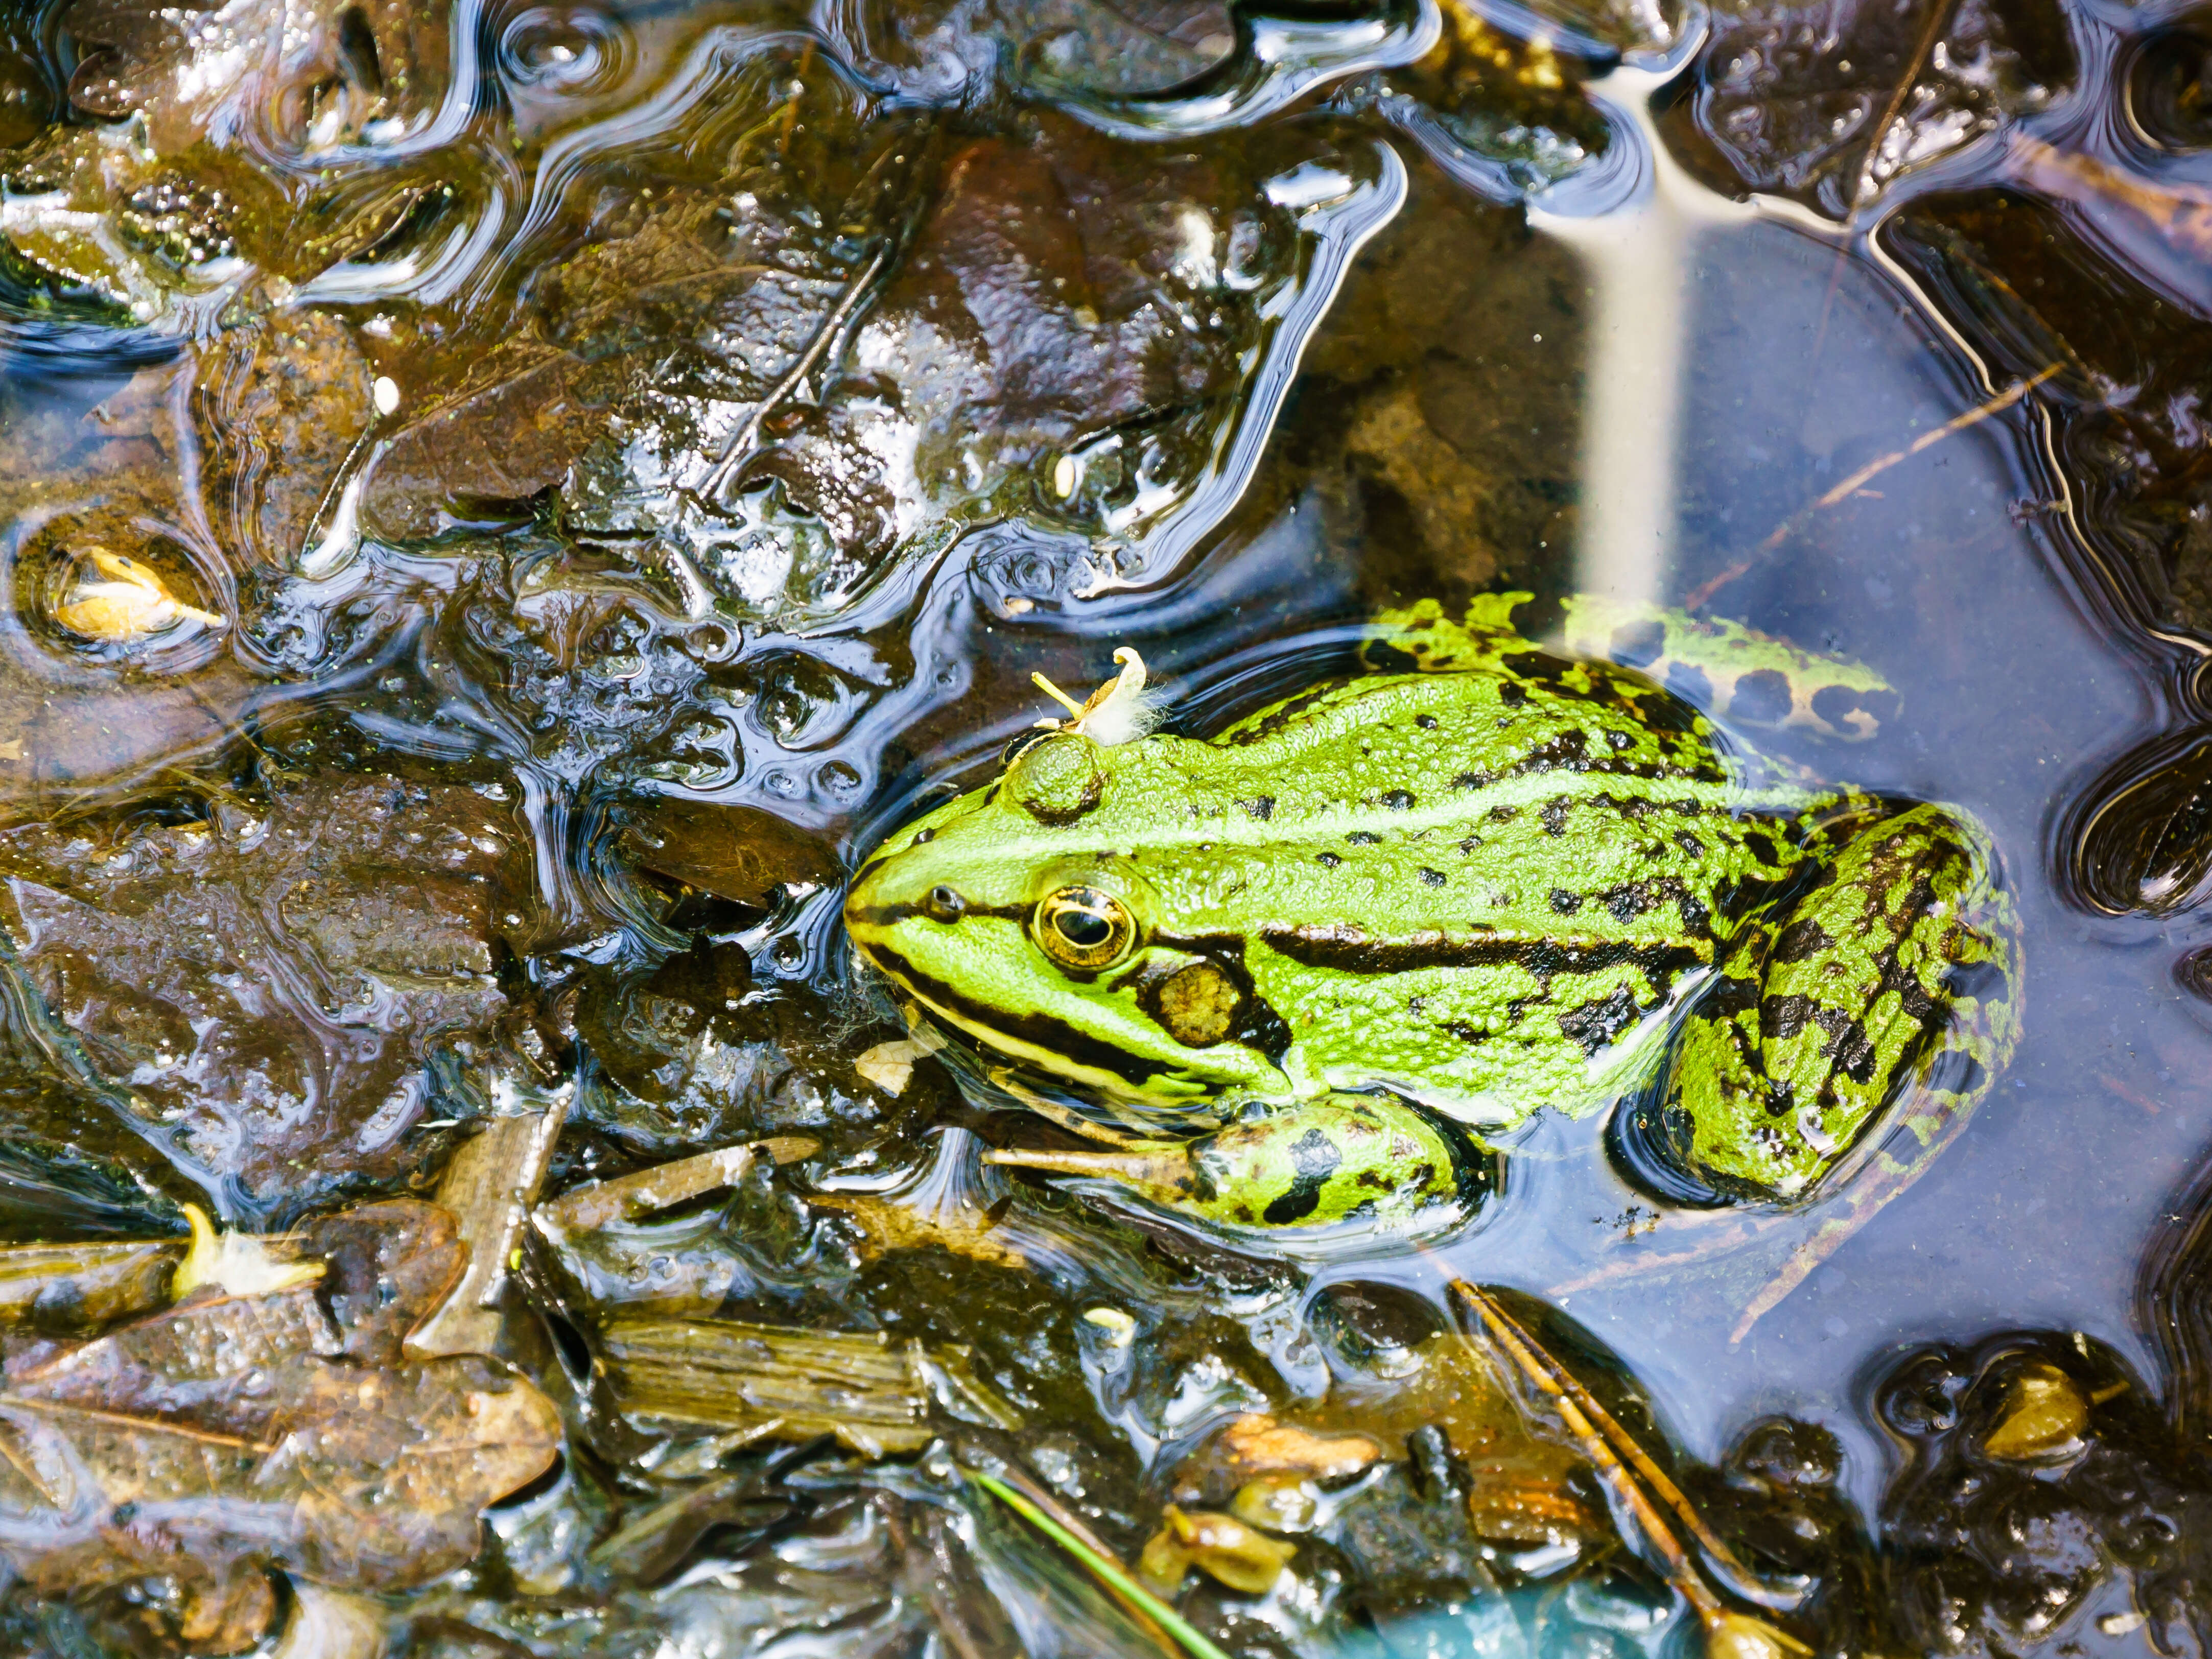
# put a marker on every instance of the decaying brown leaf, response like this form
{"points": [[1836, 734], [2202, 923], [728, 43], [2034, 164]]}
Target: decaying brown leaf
{"points": [[200, 1446], [86, 1284], [735, 853], [272, 980], [1518, 1491], [889, 1066], [885, 1224], [1829, 103], [490, 1186], [1253, 1445], [1220, 1545], [2044, 1417]]}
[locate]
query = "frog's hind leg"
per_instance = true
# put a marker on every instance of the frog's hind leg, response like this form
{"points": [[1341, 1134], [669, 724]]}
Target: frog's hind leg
{"points": [[1852, 1030]]}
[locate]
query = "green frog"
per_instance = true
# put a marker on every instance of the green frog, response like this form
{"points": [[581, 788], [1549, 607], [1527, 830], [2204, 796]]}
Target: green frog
{"points": [[1411, 907]]}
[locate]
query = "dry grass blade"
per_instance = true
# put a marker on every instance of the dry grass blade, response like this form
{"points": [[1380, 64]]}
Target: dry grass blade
{"points": [[1598, 1449], [723, 1374], [1557, 1380], [1729, 1634]]}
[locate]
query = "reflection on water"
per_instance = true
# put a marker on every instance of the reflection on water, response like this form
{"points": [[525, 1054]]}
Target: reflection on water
{"points": [[504, 504]]}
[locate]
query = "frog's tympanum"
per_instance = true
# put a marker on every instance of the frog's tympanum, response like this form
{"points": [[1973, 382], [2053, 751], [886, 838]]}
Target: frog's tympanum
{"points": [[1486, 878]]}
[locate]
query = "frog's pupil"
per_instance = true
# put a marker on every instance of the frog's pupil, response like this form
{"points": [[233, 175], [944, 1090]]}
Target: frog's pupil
{"points": [[1086, 930]]}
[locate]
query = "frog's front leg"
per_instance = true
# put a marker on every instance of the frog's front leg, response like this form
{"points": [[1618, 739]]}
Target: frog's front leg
{"points": [[1369, 1160], [1887, 985]]}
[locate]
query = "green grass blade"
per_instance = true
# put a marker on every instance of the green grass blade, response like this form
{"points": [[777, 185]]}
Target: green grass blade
{"points": [[1108, 1571]]}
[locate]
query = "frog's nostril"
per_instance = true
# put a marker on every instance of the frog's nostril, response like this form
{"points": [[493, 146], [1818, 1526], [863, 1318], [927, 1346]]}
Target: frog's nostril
{"points": [[943, 904]]}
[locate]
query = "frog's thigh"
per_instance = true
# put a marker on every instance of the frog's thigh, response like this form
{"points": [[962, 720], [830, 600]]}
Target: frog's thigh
{"points": [[1897, 965]]}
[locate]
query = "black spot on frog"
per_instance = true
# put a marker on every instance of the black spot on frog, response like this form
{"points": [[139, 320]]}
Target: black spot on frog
{"points": [[1314, 1157]]}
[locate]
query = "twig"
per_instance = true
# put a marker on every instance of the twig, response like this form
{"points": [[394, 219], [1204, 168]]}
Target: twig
{"points": [[741, 443], [1939, 13], [1873, 469]]}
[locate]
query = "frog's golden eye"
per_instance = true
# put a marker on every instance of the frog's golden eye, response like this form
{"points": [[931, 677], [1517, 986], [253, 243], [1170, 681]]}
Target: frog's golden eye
{"points": [[1083, 927]]}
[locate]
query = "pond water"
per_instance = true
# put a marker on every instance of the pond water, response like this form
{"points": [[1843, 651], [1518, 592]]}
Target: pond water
{"points": [[506, 507]]}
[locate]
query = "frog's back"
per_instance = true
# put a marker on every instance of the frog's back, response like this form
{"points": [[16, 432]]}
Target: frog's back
{"points": [[1462, 882], [1583, 801]]}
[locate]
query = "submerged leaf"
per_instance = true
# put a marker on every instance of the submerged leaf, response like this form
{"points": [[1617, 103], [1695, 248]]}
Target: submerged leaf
{"points": [[2044, 1417], [1828, 103], [232, 1433], [1219, 1544], [490, 1186], [47, 1286], [268, 984]]}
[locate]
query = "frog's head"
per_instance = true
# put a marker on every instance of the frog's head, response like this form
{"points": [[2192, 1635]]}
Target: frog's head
{"points": [[1022, 915]]}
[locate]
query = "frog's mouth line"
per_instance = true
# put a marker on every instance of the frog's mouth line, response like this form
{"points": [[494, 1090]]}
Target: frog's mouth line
{"points": [[1052, 1043]]}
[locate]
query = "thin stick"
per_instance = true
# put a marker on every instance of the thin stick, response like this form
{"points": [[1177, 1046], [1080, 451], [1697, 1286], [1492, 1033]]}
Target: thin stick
{"points": [[742, 441], [1939, 13], [1104, 1568], [1652, 1524], [1871, 470], [1560, 1380]]}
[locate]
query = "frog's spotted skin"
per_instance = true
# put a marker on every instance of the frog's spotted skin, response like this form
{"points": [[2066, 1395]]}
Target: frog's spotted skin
{"points": [[1313, 1164], [1727, 670], [1489, 887]]}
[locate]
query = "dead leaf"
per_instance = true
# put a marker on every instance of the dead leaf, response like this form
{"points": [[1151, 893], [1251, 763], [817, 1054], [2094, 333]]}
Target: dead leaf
{"points": [[508, 432], [1222, 1545], [889, 1066], [1252, 1446], [230, 1434], [235, 1264], [489, 1186], [886, 1225], [283, 1056], [737, 853], [2044, 1417], [328, 1623], [302, 75], [49, 1286], [1518, 1474], [630, 1197]]}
